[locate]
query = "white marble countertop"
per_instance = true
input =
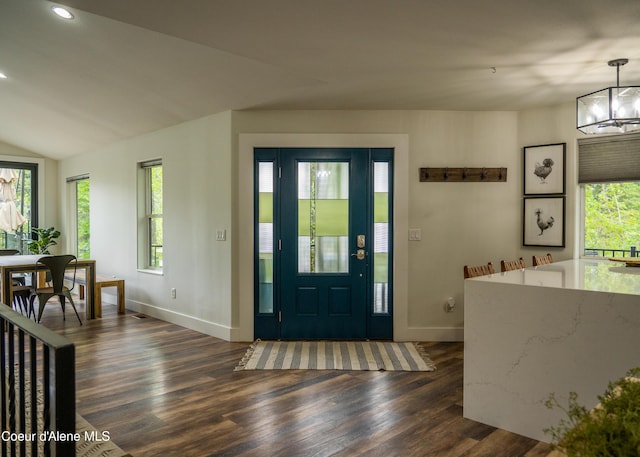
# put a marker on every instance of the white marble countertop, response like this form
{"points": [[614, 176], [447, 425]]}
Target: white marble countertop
{"points": [[580, 274]]}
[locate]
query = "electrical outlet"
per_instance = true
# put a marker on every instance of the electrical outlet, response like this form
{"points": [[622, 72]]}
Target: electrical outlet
{"points": [[449, 305]]}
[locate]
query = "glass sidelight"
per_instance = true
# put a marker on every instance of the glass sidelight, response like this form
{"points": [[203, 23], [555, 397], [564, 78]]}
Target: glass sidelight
{"points": [[265, 237], [381, 238]]}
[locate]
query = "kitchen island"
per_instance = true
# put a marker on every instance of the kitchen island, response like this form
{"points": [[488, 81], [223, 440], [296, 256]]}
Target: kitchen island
{"points": [[568, 326]]}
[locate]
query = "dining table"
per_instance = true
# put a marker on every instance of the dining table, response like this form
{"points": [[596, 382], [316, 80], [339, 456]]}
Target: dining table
{"points": [[16, 264]]}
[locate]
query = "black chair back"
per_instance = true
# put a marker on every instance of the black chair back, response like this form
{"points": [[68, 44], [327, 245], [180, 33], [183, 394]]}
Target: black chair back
{"points": [[57, 265]]}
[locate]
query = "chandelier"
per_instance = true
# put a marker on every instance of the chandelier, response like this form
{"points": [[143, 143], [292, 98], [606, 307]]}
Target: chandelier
{"points": [[611, 110]]}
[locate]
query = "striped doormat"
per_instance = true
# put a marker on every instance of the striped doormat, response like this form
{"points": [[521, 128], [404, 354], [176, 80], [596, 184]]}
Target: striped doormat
{"points": [[334, 355]]}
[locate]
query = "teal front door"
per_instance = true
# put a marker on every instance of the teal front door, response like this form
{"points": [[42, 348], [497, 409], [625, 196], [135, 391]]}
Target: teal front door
{"points": [[327, 275]]}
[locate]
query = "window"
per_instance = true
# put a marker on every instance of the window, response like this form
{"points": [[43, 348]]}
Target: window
{"points": [[382, 239], [150, 235], [611, 223], [18, 204], [79, 220], [609, 175], [265, 237]]}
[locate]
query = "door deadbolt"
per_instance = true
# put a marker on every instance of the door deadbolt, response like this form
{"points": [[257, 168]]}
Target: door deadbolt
{"points": [[360, 241]]}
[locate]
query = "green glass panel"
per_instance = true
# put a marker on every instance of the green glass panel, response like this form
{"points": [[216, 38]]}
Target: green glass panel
{"points": [[381, 267], [304, 218], [332, 218], [381, 207], [265, 207]]}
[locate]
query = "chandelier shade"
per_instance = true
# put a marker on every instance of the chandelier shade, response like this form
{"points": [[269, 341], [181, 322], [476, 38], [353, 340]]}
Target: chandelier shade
{"points": [[611, 110]]}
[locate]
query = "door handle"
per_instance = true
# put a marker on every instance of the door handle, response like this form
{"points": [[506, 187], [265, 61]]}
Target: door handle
{"points": [[359, 254]]}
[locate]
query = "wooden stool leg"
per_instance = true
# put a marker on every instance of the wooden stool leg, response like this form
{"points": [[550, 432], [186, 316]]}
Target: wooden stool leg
{"points": [[97, 300], [120, 287]]}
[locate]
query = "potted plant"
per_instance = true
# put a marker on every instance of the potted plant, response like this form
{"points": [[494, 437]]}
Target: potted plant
{"points": [[45, 238], [612, 428]]}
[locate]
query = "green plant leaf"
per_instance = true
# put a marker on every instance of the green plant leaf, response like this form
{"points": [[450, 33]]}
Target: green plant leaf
{"points": [[612, 429]]}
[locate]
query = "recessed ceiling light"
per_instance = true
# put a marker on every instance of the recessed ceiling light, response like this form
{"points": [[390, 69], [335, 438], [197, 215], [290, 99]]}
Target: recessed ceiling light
{"points": [[2, 75], [62, 12]]}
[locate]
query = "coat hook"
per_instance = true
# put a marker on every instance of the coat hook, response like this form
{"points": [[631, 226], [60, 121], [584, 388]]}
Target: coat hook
{"points": [[425, 173], [500, 175], [446, 173], [464, 173], [484, 173]]}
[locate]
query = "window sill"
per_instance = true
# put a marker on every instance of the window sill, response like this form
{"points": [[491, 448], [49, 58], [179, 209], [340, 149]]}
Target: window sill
{"points": [[151, 272]]}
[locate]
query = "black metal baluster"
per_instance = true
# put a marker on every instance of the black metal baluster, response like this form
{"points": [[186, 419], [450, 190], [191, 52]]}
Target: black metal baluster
{"points": [[3, 376], [22, 428]]}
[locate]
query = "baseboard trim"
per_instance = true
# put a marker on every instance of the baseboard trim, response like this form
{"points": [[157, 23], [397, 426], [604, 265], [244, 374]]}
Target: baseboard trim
{"points": [[445, 334], [199, 325]]}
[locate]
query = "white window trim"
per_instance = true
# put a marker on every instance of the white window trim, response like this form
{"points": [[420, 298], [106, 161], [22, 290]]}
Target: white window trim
{"points": [[144, 218]]}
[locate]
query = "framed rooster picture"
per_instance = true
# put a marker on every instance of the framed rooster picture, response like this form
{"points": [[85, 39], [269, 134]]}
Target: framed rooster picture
{"points": [[543, 221], [544, 169]]}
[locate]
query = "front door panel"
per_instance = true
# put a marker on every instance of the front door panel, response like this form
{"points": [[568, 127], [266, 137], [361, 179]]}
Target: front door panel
{"points": [[323, 288]]}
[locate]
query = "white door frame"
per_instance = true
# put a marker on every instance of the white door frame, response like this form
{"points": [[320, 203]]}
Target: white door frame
{"points": [[242, 324]]}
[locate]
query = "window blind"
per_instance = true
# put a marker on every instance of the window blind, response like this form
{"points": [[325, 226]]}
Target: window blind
{"points": [[609, 159]]}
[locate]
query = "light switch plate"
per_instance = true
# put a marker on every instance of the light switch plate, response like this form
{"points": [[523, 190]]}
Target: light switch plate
{"points": [[415, 234], [221, 235]]}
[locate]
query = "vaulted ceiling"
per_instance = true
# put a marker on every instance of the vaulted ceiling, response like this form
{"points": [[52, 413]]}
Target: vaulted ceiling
{"points": [[122, 68]]}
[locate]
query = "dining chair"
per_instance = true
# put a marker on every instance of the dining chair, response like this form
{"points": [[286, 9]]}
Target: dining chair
{"points": [[479, 270], [510, 265], [57, 265], [542, 259]]}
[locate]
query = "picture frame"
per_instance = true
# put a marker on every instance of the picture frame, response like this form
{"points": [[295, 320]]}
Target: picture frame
{"points": [[544, 169], [543, 221]]}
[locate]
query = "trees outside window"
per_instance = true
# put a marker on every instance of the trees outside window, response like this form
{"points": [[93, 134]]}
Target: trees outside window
{"points": [[611, 218], [22, 181], [150, 229]]}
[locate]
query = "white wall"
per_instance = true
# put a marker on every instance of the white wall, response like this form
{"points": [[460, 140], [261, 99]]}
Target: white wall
{"points": [[558, 125], [197, 202], [461, 223], [208, 187]]}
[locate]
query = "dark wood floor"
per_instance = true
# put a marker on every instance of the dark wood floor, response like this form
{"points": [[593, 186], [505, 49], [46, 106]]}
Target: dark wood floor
{"points": [[163, 390]]}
